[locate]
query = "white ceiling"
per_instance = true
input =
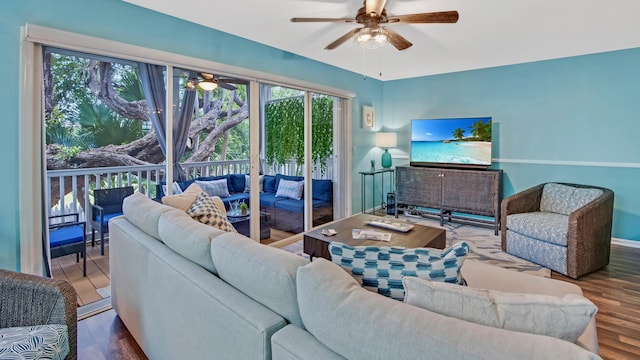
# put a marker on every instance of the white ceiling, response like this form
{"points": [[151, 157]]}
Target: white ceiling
{"points": [[489, 33]]}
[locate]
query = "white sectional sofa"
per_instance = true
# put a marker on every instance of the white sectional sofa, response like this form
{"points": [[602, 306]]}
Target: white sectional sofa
{"points": [[189, 291]]}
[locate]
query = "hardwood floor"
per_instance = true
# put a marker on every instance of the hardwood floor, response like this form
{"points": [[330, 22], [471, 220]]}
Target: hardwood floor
{"points": [[614, 289]]}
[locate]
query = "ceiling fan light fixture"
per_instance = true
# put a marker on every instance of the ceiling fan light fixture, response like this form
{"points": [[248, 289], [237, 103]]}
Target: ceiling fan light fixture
{"points": [[372, 38], [207, 85]]}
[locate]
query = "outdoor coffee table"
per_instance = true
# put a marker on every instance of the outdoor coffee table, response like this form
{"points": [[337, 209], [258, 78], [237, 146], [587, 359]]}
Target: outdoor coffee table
{"points": [[241, 223], [316, 244]]}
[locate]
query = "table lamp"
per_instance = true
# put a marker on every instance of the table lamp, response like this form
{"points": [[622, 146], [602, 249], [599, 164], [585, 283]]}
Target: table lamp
{"points": [[386, 140]]}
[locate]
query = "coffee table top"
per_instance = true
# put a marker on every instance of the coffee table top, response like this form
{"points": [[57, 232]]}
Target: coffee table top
{"points": [[419, 236]]}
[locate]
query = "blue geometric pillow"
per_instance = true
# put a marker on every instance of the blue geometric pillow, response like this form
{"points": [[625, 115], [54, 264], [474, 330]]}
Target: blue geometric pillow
{"points": [[381, 268]]}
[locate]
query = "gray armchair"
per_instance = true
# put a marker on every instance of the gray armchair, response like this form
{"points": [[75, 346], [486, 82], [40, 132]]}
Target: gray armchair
{"points": [[564, 227], [29, 300]]}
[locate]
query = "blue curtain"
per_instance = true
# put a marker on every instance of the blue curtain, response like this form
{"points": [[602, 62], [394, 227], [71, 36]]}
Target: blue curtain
{"points": [[152, 78]]}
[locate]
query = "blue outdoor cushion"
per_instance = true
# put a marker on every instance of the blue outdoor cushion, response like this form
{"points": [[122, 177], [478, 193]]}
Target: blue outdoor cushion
{"points": [[269, 199], [269, 184], [66, 235], [236, 183], [297, 206], [108, 217], [322, 190]]}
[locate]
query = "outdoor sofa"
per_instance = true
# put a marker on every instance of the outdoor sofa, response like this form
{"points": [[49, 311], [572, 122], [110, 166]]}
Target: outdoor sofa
{"points": [[283, 213]]}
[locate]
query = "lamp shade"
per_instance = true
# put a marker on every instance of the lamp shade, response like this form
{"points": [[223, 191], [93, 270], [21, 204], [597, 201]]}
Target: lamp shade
{"points": [[386, 139]]}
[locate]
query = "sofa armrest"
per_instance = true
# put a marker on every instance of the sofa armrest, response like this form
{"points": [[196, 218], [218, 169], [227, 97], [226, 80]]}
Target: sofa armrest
{"points": [[525, 201], [27, 300], [589, 235], [292, 343]]}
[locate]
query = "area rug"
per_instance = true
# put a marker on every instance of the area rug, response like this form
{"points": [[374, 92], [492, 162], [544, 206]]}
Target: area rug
{"points": [[485, 246]]}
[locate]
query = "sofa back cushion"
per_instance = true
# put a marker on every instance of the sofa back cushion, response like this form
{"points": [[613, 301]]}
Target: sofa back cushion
{"points": [[188, 237], [564, 199], [562, 317], [265, 274], [269, 183], [358, 324], [322, 190], [144, 213], [236, 183]]}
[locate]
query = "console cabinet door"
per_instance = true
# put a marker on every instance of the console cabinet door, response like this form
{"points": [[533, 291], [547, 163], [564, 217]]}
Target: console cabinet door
{"points": [[418, 187], [472, 192]]}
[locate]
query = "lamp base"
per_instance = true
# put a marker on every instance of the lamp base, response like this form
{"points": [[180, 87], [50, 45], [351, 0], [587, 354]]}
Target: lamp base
{"points": [[386, 159]]}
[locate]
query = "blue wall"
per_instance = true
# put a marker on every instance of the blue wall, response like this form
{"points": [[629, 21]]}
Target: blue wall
{"points": [[119, 21], [574, 120], [582, 109]]}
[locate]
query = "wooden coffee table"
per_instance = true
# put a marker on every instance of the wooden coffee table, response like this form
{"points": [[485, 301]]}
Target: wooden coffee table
{"points": [[316, 244]]}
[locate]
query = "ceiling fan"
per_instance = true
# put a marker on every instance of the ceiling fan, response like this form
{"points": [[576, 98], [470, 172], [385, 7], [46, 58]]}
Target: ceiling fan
{"points": [[372, 34], [207, 82]]}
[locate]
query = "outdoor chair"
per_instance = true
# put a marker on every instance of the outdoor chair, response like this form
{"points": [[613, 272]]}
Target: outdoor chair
{"points": [[563, 227], [107, 205], [68, 237], [37, 308]]}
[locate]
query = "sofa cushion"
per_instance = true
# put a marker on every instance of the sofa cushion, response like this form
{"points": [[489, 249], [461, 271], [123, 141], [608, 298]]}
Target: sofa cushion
{"points": [[565, 318], [34, 342], [188, 237], [280, 177], [247, 183], [290, 189], [144, 212], [185, 199], [236, 183], [381, 268], [322, 190], [564, 199], [206, 211], [264, 273], [215, 187], [269, 183], [176, 189], [546, 226], [269, 199], [358, 324]]}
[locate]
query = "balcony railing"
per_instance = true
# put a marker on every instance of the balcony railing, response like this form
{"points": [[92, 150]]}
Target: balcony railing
{"points": [[77, 185]]}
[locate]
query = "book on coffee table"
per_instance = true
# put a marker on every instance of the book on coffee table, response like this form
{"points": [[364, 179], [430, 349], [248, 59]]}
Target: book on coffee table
{"points": [[361, 234]]}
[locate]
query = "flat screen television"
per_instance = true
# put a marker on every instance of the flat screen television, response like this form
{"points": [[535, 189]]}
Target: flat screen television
{"points": [[456, 142]]}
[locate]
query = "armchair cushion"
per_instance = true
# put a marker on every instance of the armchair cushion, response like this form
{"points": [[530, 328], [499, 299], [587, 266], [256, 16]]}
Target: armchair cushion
{"points": [[546, 226], [34, 342], [66, 235], [563, 199]]}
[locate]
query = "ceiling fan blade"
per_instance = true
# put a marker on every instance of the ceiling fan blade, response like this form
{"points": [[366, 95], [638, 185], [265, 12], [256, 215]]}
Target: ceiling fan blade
{"points": [[397, 40], [374, 6], [341, 40], [225, 85], [448, 17], [323, 20]]}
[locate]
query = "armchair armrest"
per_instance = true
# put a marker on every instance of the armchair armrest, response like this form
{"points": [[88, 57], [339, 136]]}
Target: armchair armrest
{"points": [[97, 213], [525, 201], [27, 300], [589, 235]]}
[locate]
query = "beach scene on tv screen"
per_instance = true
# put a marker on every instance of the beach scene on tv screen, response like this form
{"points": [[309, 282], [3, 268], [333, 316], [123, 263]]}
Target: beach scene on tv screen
{"points": [[455, 141]]}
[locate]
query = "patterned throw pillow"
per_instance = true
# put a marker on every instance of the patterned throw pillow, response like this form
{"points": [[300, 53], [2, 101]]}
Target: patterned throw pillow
{"points": [[215, 187], [247, 183], [205, 210], [381, 268], [290, 189]]}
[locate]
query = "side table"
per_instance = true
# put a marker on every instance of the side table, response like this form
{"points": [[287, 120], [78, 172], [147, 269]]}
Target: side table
{"points": [[373, 173]]}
